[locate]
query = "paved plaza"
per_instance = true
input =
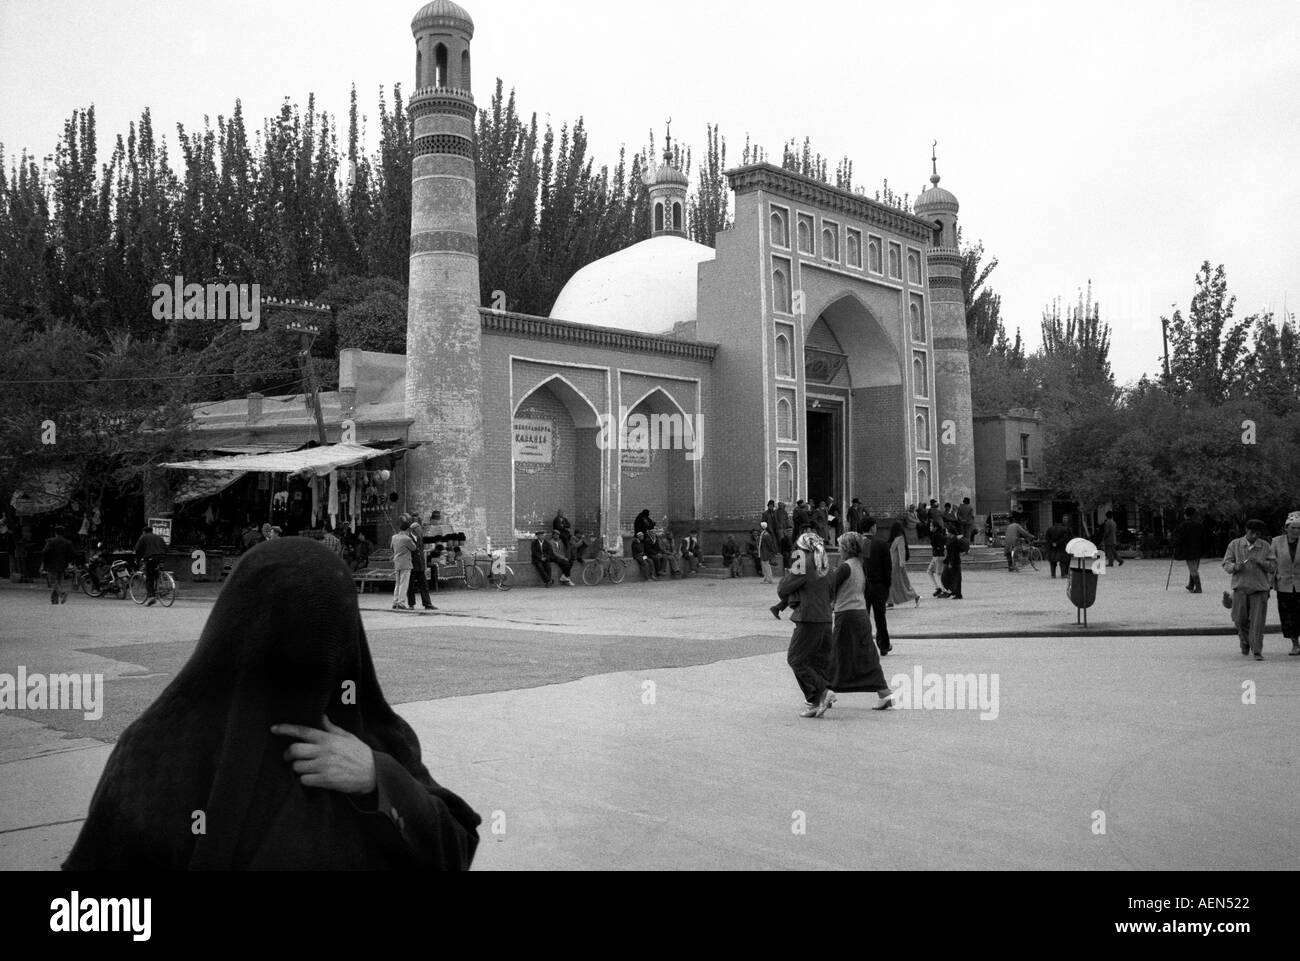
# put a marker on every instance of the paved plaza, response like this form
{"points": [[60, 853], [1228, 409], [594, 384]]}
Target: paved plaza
{"points": [[655, 726]]}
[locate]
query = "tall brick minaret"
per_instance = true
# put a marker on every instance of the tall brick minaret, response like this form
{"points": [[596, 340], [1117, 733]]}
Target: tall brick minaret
{"points": [[444, 378], [951, 361]]}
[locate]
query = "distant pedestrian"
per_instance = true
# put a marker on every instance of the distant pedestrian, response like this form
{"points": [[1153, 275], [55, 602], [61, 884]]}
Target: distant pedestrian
{"points": [[767, 552], [1189, 546], [1110, 540], [834, 522], [966, 520], [910, 524], [951, 577], [782, 519], [819, 516], [731, 555], [879, 568], [769, 515], [853, 516], [854, 663], [400, 544], [900, 585], [1251, 562], [418, 581], [1287, 581], [1011, 540], [1057, 537], [934, 570], [56, 556], [807, 587]]}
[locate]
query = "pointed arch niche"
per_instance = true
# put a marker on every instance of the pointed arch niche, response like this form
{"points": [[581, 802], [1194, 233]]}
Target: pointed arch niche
{"points": [[555, 435], [656, 472]]}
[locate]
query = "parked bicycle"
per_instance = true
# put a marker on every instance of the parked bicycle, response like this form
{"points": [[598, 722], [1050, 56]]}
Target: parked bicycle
{"points": [[602, 565], [499, 574], [165, 590]]}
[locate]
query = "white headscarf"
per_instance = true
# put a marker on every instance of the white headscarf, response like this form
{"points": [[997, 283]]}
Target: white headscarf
{"points": [[811, 543], [1293, 517]]}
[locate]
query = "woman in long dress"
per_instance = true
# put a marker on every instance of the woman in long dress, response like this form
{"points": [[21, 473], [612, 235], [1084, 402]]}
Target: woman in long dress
{"points": [[855, 663], [900, 587]]}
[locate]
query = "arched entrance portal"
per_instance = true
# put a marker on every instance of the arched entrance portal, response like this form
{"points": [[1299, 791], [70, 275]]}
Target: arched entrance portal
{"points": [[854, 421], [655, 466], [557, 458]]}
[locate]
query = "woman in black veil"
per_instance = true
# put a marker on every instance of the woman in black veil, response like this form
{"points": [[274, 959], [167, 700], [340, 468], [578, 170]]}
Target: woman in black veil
{"points": [[274, 748]]}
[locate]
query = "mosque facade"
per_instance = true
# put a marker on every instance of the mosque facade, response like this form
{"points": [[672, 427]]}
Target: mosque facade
{"points": [[819, 350]]}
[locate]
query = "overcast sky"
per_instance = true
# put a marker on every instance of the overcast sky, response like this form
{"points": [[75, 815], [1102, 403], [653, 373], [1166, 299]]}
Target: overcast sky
{"points": [[1119, 142]]}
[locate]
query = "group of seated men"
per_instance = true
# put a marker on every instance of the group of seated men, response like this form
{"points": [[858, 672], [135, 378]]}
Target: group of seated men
{"points": [[659, 555]]}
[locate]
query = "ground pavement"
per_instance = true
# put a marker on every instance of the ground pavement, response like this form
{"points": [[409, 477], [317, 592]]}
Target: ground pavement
{"points": [[654, 725]]}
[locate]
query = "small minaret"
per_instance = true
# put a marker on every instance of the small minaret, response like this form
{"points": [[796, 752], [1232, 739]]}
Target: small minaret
{"points": [[667, 185], [956, 468], [444, 377]]}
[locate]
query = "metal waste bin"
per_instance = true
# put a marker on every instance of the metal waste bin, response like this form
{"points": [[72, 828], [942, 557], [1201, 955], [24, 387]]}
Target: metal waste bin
{"points": [[1083, 587]]}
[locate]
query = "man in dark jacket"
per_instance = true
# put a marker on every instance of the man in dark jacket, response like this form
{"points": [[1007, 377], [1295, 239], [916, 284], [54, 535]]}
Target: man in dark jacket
{"points": [[1189, 545], [151, 549], [537, 553], [558, 554], [55, 557], [561, 526], [1056, 537], [879, 570], [419, 581], [802, 519], [782, 520], [766, 553]]}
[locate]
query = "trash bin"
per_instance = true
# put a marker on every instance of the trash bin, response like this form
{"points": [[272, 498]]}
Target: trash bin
{"points": [[1086, 566]]}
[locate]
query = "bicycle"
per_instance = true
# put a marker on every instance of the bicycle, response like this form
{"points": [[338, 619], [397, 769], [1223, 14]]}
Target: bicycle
{"points": [[499, 574], [164, 590], [603, 565], [1026, 554]]}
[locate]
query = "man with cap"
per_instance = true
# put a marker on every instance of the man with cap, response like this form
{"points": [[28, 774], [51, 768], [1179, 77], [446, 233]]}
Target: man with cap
{"points": [[1286, 548], [1251, 562], [766, 552]]}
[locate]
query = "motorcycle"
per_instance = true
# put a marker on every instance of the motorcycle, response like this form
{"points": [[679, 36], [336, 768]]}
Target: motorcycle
{"points": [[101, 577]]}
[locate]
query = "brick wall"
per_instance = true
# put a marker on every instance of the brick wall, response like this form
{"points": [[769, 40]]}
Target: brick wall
{"points": [[570, 483]]}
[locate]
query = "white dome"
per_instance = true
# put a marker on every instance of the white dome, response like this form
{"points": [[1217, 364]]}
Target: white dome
{"points": [[648, 287]]}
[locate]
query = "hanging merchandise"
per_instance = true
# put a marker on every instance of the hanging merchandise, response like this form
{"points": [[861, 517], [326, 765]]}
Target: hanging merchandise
{"points": [[356, 503], [334, 498], [315, 502]]}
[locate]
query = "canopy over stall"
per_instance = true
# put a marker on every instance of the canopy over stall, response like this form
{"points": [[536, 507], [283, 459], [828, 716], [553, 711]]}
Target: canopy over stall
{"points": [[44, 491], [316, 461]]}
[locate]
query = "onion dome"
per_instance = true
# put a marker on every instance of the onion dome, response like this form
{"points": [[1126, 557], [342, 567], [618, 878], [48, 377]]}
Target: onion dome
{"points": [[442, 13]]}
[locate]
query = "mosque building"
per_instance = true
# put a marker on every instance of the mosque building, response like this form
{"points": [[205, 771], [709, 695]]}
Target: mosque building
{"points": [[819, 350]]}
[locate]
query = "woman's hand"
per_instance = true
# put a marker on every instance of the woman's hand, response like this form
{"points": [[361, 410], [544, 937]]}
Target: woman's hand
{"points": [[331, 758]]}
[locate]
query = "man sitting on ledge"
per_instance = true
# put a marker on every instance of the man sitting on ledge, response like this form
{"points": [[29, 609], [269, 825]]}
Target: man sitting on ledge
{"points": [[558, 555]]}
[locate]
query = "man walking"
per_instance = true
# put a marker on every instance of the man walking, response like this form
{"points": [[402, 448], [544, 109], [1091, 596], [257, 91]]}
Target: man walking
{"points": [[402, 563], [1251, 562], [55, 558], [1189, 545], [879, 570], [1287, 581], [1110, 540], [766, 552], [150, 549], [1057, 537]]}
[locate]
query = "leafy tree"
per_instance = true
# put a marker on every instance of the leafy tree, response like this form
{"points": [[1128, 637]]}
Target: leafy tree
{"points": [[1207, 349], [708, 208]]}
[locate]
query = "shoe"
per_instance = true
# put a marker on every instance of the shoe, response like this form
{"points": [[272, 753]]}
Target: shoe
{"points": [[1259, 657], [809, 711], [918, 601], [430, 608], [886, 702], [889, 607], [937, 594], [955, 597], [1245, 651], [1294, 652], [399, 606], [151, 602], [827, 702], [776, 611], [886, 651]]}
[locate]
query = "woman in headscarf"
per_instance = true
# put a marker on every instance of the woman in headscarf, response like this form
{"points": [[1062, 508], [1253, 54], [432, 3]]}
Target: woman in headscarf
{"points": [[274, 748], [900, 587], [1287, 581], [855, 664], [807, 589]]}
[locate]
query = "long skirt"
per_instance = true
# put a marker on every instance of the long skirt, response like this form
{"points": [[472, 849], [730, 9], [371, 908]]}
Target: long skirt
{"points": [[855, 664], [1288, 612], [900, 587]]}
